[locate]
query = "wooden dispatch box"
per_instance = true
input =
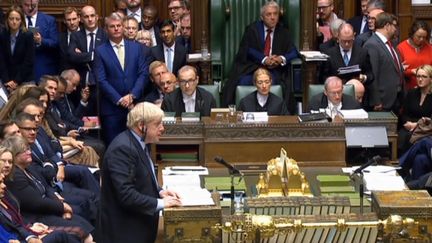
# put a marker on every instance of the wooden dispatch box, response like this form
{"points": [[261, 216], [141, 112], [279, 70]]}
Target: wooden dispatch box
{"points": [[408, 204], [192, 224], [414, 204]]}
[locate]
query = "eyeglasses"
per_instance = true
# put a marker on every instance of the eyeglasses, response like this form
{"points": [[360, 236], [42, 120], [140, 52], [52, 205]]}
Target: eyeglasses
{"points": [[323, 7], [422, 76], [29, 128], [188, 82]]}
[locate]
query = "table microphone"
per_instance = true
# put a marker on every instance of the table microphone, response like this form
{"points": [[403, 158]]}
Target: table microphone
{"points": [[375, 160], [234, 170]]}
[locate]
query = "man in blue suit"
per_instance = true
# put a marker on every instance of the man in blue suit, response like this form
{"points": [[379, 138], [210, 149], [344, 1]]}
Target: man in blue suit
{"points": [[45, 33], [121, 68]]}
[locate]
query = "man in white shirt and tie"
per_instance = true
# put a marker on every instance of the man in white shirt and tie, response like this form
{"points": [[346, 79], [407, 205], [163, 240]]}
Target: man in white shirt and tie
{"points": [[170, 52], [134, 9], [121, 68]]}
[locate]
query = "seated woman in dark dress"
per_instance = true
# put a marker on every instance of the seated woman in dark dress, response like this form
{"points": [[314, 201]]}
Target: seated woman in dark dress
{"points": [[37, 201], [417, 104], [262, 100]]}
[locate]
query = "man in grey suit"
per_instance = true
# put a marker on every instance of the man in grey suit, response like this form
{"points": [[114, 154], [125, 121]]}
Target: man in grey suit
{"points": [[386, 90]]}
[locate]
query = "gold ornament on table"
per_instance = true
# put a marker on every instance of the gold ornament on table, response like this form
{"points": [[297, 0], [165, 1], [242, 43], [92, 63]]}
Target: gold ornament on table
{"points": [[282, 178]]}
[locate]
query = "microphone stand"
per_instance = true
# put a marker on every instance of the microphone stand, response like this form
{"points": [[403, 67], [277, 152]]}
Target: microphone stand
{"points": [[233, 172]]}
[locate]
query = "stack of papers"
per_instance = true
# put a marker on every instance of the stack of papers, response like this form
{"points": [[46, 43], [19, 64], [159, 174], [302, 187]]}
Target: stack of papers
{"points": [[354, 69], [354, 114], [314, 56], [185, 180]]}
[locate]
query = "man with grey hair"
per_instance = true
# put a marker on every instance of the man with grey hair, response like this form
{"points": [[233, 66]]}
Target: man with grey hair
{"points": [[265, 43], [188, 97], [334, 29], [131, 197], [121, 68], [73, 79], [333, 98]]}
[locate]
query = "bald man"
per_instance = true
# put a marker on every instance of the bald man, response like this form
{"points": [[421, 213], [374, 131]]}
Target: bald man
{"points": [[346, 54], [359, 89]]}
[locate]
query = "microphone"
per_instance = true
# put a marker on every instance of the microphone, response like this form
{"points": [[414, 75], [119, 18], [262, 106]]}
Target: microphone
{"points": [[375, 160], [221, 161]]}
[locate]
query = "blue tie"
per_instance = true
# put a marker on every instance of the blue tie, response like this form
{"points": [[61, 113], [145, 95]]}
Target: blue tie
{"points": [[345, 57], [169, 60]]}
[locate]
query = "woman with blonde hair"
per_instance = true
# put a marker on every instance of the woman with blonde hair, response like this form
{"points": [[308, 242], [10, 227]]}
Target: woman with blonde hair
{"points": [[417, 104], [144, 37], [8, 111]]}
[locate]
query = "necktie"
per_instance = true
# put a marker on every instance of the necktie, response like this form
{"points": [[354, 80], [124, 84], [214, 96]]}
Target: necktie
{"points": [[345, 57], [91, 46], [30, 23], [393, 53], [12, 42], [120, 54], [169, 59], [267, 43], [365, 25]]}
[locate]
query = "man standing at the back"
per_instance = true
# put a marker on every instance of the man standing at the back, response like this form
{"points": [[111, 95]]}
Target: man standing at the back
{"points": [[45, 35], [121, 68]]}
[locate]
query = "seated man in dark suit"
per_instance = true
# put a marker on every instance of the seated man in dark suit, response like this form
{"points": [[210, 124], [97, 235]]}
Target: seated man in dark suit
{"points": [[333, 99], [156, 69], [345, 54], [262, 100], [265, 43], [188, 97], [167, 84]]}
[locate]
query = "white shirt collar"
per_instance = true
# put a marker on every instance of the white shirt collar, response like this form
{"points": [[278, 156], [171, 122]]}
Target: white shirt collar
{"points": [[88, 31], [166, 47], [113, 44], [262, 99], [136, 14], [381, 36], [189, 101]]}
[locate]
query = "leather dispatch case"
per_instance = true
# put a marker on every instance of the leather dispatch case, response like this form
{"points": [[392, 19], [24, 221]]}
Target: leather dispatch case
{"points": [[192, 224]]}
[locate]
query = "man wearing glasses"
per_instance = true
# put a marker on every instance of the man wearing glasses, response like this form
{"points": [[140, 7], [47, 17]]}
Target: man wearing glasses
{"points": [[385, 93], [325, 16], [188, 97], [333, 99]]}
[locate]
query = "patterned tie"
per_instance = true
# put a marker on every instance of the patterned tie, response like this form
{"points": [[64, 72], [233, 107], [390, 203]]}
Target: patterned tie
{"points": [[267, 43], [30, 23], [345, 57], [169, 60], [120, 54]]}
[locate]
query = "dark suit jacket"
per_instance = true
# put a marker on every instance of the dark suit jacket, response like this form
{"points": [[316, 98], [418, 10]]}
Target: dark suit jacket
{"points": [[77, 111], [274, 106], [129, 193], [251, 53], [34, 200], [63, 48], [179, 60], [114, 82], [356, 23], [362, 38], [153, 95], [387, 80], [46, 61], [185, 42], [18, 66], [359, 56], [83, 61], [320, 101], [327, 45], [204, 101]]}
